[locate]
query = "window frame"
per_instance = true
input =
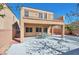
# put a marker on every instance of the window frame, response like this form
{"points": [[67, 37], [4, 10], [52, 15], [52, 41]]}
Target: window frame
{"points": [[26, 13], [45, 15], [40, 15], [28, 29], [38, 29]]}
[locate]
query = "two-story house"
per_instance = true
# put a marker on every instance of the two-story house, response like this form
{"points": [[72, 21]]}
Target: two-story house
{"points": [[34, 22]]}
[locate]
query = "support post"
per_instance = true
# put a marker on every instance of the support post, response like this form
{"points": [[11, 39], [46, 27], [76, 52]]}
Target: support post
{"points": [[63, 31], [21, 26], [49, 30], [42, 31]]}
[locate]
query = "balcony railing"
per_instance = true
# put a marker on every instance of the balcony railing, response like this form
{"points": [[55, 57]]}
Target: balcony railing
{"points": [[49, 22]]}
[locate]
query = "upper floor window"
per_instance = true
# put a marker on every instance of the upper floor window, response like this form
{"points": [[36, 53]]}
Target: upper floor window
{"points": [[26, 13], [45, 16], [41, 15]]}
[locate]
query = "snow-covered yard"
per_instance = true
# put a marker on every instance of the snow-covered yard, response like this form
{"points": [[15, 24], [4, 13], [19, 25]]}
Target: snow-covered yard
{"points": [[53, 45]]}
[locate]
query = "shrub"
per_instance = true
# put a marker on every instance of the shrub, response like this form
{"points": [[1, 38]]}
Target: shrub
{"points": [[2, 15], [1, 7], [70, 28]]}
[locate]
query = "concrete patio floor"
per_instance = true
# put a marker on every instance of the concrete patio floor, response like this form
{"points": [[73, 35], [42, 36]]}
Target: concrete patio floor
{"points": [[51, 45]]}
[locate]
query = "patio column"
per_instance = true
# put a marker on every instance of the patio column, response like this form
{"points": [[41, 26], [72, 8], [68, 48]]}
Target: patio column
{"points": [[63, 30], [42, 30], [49, 30], [63, 26], [21, 26]]}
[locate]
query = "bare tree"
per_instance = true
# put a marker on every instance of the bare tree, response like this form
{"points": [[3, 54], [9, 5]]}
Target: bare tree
{"points": [[73, 14]]}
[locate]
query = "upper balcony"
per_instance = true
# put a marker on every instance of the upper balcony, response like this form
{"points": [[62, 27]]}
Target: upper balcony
{"points": [[59, 21]]}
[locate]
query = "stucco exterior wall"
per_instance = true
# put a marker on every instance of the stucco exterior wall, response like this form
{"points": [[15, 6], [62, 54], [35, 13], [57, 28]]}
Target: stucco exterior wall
{"points": [[5, 40], [6, 29], [9, 19], [34, 14], [1, 23], [33, 26], [33, 19], [53, 22]]}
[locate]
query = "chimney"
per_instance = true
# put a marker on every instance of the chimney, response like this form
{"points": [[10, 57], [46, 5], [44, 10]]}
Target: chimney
{"points": [[62, 18]]}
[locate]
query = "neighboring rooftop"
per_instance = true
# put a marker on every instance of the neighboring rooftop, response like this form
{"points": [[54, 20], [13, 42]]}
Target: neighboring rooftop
{"points": [[77, 22]]}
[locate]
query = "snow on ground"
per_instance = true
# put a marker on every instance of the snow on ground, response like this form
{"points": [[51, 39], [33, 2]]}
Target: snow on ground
{"points": [[45, 46]]}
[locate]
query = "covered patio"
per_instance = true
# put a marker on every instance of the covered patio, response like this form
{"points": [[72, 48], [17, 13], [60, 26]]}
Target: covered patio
{"points": [[40, 23]]}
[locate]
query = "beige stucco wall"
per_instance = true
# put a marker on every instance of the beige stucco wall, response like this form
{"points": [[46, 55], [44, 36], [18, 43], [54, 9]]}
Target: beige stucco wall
{"points": [[6, 29], [34, 14], [34, 33], [1, 23], [53, 22], [34, 19], [9, 19], [5, 40]]}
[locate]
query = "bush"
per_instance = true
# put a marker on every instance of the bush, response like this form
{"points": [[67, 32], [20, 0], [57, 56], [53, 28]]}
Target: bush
{"points": [[1, 7], [71, 28], [2, 15]]}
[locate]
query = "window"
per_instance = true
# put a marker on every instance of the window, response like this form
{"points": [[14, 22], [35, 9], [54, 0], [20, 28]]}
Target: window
{"points": [[41, 15], [26, 13], [45, 30], [45, 16], [28, 29], [31, 14], [38, 29]]}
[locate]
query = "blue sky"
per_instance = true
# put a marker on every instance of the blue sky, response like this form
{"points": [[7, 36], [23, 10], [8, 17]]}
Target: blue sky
{"points": [[59, 9]]}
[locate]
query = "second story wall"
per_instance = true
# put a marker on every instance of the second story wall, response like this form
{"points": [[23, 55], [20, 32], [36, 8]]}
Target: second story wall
{"points": [[36, 14]]}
